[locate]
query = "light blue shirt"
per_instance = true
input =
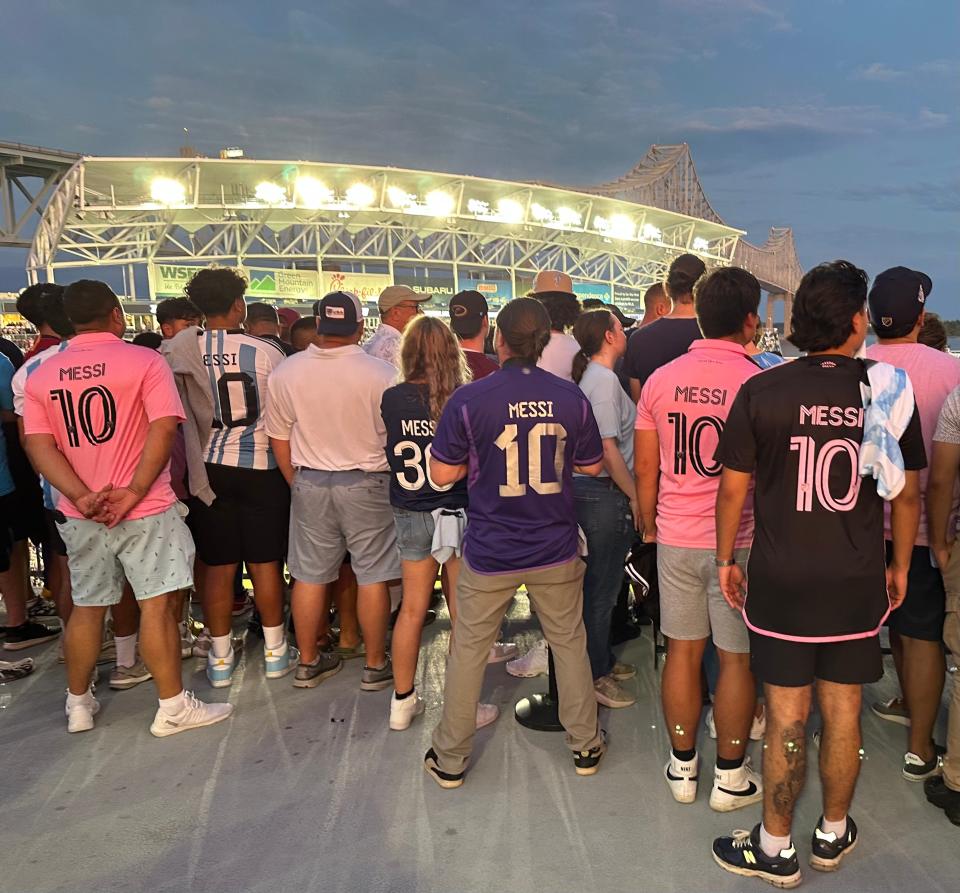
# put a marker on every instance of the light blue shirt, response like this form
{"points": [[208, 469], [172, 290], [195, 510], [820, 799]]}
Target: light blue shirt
{"points": [[6, 404], [614, 411]]}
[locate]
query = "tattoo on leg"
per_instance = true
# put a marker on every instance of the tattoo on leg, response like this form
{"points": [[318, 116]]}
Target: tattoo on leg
{"points": [[786, 791]]}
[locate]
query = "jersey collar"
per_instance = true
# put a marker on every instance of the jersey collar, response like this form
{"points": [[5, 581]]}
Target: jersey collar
{"points": [[718, 345], [93, 338]]}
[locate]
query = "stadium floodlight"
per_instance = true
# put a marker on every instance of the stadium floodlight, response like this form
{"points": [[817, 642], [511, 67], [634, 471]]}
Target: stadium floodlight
{"points": [[310, 192], [270, 193], [167, 191], [540, 213], [651, 233], [601, 224], [509, 211], [478, 207], [700, 244], [569, 217], [400, 198], [360, 195], [622, 227], [439, 203]]}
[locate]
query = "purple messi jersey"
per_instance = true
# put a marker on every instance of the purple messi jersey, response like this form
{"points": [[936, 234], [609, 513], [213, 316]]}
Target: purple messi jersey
{"points": [[520, 431]]}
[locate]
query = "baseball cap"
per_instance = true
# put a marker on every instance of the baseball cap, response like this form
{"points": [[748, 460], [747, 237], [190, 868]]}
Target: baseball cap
{"points": [[338, 313], [597, 304], [288, 316], [689, 264], [397, 294], [552, 280], [897, 300], [466, 308]]}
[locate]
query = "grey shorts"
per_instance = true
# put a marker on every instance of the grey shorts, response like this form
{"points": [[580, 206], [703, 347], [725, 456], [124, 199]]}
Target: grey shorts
{"points": [[335, 512], [414, 534], [691, 603], [154, 554]]}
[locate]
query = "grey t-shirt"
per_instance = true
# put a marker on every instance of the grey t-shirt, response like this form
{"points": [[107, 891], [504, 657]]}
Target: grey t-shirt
{"points": [[613, 409], [948, 425]]}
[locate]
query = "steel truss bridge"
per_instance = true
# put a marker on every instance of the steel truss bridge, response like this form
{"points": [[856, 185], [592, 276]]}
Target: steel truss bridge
{"points": [[131, 213]]}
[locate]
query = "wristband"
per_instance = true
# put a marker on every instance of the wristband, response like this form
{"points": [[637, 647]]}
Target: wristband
{"points": [[724, 562]]}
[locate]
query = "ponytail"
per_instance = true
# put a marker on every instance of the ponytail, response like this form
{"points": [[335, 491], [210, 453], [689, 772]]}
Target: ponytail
{"points": [[580, 363], [590, 330]]}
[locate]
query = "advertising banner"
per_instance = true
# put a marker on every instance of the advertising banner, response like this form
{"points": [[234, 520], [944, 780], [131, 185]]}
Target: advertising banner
{"points": [[284, 286], [496, 291], [438, 285], [168, 280], [366, 286], [592, 290]]}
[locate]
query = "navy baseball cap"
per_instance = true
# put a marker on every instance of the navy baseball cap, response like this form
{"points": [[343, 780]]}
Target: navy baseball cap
{"points": [[338, 313], [896, 300]]}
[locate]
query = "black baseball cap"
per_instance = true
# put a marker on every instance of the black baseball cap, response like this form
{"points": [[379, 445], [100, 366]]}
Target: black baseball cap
{"points": [[467, 308], [896, 301], [597, 304], [338, 313]]}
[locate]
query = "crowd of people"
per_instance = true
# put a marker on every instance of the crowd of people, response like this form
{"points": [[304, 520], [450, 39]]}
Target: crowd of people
{"points": [[240, 436]]}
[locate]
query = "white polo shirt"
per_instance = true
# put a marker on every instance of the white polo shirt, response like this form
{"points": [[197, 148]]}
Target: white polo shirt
{"points": [[557, 356], [327, 404]]}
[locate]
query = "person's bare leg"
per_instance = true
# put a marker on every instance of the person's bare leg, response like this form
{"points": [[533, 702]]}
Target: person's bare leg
{"points": [[924, 670], [345, 599], [896, 652], [309, 606], [160, 644], [60, 586], [81, 645], [125, 614], [418, 578], [268, 591], [448, 583], [784, 755], [373, 611], [680, 691], [15, 588], [733, 704], [839, 746], [217, 598]]}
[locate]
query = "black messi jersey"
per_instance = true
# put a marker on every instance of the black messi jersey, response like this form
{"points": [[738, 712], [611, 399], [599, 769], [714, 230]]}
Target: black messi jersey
{"points": [[410, 432], [817, 565]]}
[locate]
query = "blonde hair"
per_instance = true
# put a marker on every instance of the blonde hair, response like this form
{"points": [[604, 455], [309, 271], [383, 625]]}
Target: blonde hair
{"points": [[431, 353]]}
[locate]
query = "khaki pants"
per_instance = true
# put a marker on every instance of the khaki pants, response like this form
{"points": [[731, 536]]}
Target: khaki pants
{"points": [[951, 638], [482, 600]]}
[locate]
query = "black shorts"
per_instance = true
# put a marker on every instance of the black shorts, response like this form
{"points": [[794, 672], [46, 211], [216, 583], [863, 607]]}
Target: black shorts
{"points": [[793, 664], [924, 609], [6, 543], [248, 521], [53, 540], [22, 510]]}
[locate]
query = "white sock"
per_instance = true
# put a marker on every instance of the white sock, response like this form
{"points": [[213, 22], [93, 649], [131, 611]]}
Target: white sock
{"points": [[838, 828], [272, 637], [221, 646], [771, 845], [173, 706], [73, 700], [126, 650]]}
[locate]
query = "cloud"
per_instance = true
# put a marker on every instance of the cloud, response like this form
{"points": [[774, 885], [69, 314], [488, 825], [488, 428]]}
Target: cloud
{"points": [[755, 9], [930, 119], [942, 197], [879, 72], [159, 103]]}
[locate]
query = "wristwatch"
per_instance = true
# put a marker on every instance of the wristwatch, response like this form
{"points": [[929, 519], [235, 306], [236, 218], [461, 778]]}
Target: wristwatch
{"points": [[724, 562]]}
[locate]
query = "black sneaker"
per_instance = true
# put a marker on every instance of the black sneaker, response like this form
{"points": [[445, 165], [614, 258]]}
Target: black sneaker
{"points": [[741, 854], [447, 780], [28, 634], [939, 794], [587, 762], [914, 768], [827, 850]]}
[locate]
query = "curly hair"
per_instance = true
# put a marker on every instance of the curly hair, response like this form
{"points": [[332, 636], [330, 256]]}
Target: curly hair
{"points": [[430, 352], [562, 308], [215, 289], [827, 299]]}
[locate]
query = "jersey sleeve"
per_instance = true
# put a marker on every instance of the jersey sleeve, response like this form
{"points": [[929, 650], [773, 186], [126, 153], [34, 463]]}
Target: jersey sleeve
{"points": [[737, 449], [279, 415], [159, 392], [451, 443], [948, 425], [589, 447], [6, 380], [35, 417], [911, 444], [17, 385]]}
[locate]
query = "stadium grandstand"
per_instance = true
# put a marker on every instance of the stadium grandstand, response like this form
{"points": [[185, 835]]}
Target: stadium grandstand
{"points": [[299, 229]]}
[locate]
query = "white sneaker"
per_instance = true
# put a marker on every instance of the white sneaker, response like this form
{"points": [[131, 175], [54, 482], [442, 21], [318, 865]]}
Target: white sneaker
{"points": [[487, 714], [533, 663], [735, 788], [402, 713], [195, 714], [682, 778], [220, 669], [80, 716], [758, 727], [502, 651]]}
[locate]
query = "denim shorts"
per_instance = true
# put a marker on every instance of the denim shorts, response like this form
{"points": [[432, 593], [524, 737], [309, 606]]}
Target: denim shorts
{"points": [[414, 534]]}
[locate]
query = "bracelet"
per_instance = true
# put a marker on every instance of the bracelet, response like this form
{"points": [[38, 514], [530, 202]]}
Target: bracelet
{"points": [[724, 562]]}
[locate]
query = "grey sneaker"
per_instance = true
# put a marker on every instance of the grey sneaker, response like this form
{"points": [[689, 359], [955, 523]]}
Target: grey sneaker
{"points": [[16, 669], [611, 693], [892, 711], [311, 675], [374, 679], [128, 677]]}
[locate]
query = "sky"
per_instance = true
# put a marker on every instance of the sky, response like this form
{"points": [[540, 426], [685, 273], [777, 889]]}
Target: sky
{"points": [[838, 118]]}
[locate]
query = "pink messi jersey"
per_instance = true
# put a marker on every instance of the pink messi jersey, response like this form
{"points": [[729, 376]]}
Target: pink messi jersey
{"points": [[97, 398], [686, 402]]}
